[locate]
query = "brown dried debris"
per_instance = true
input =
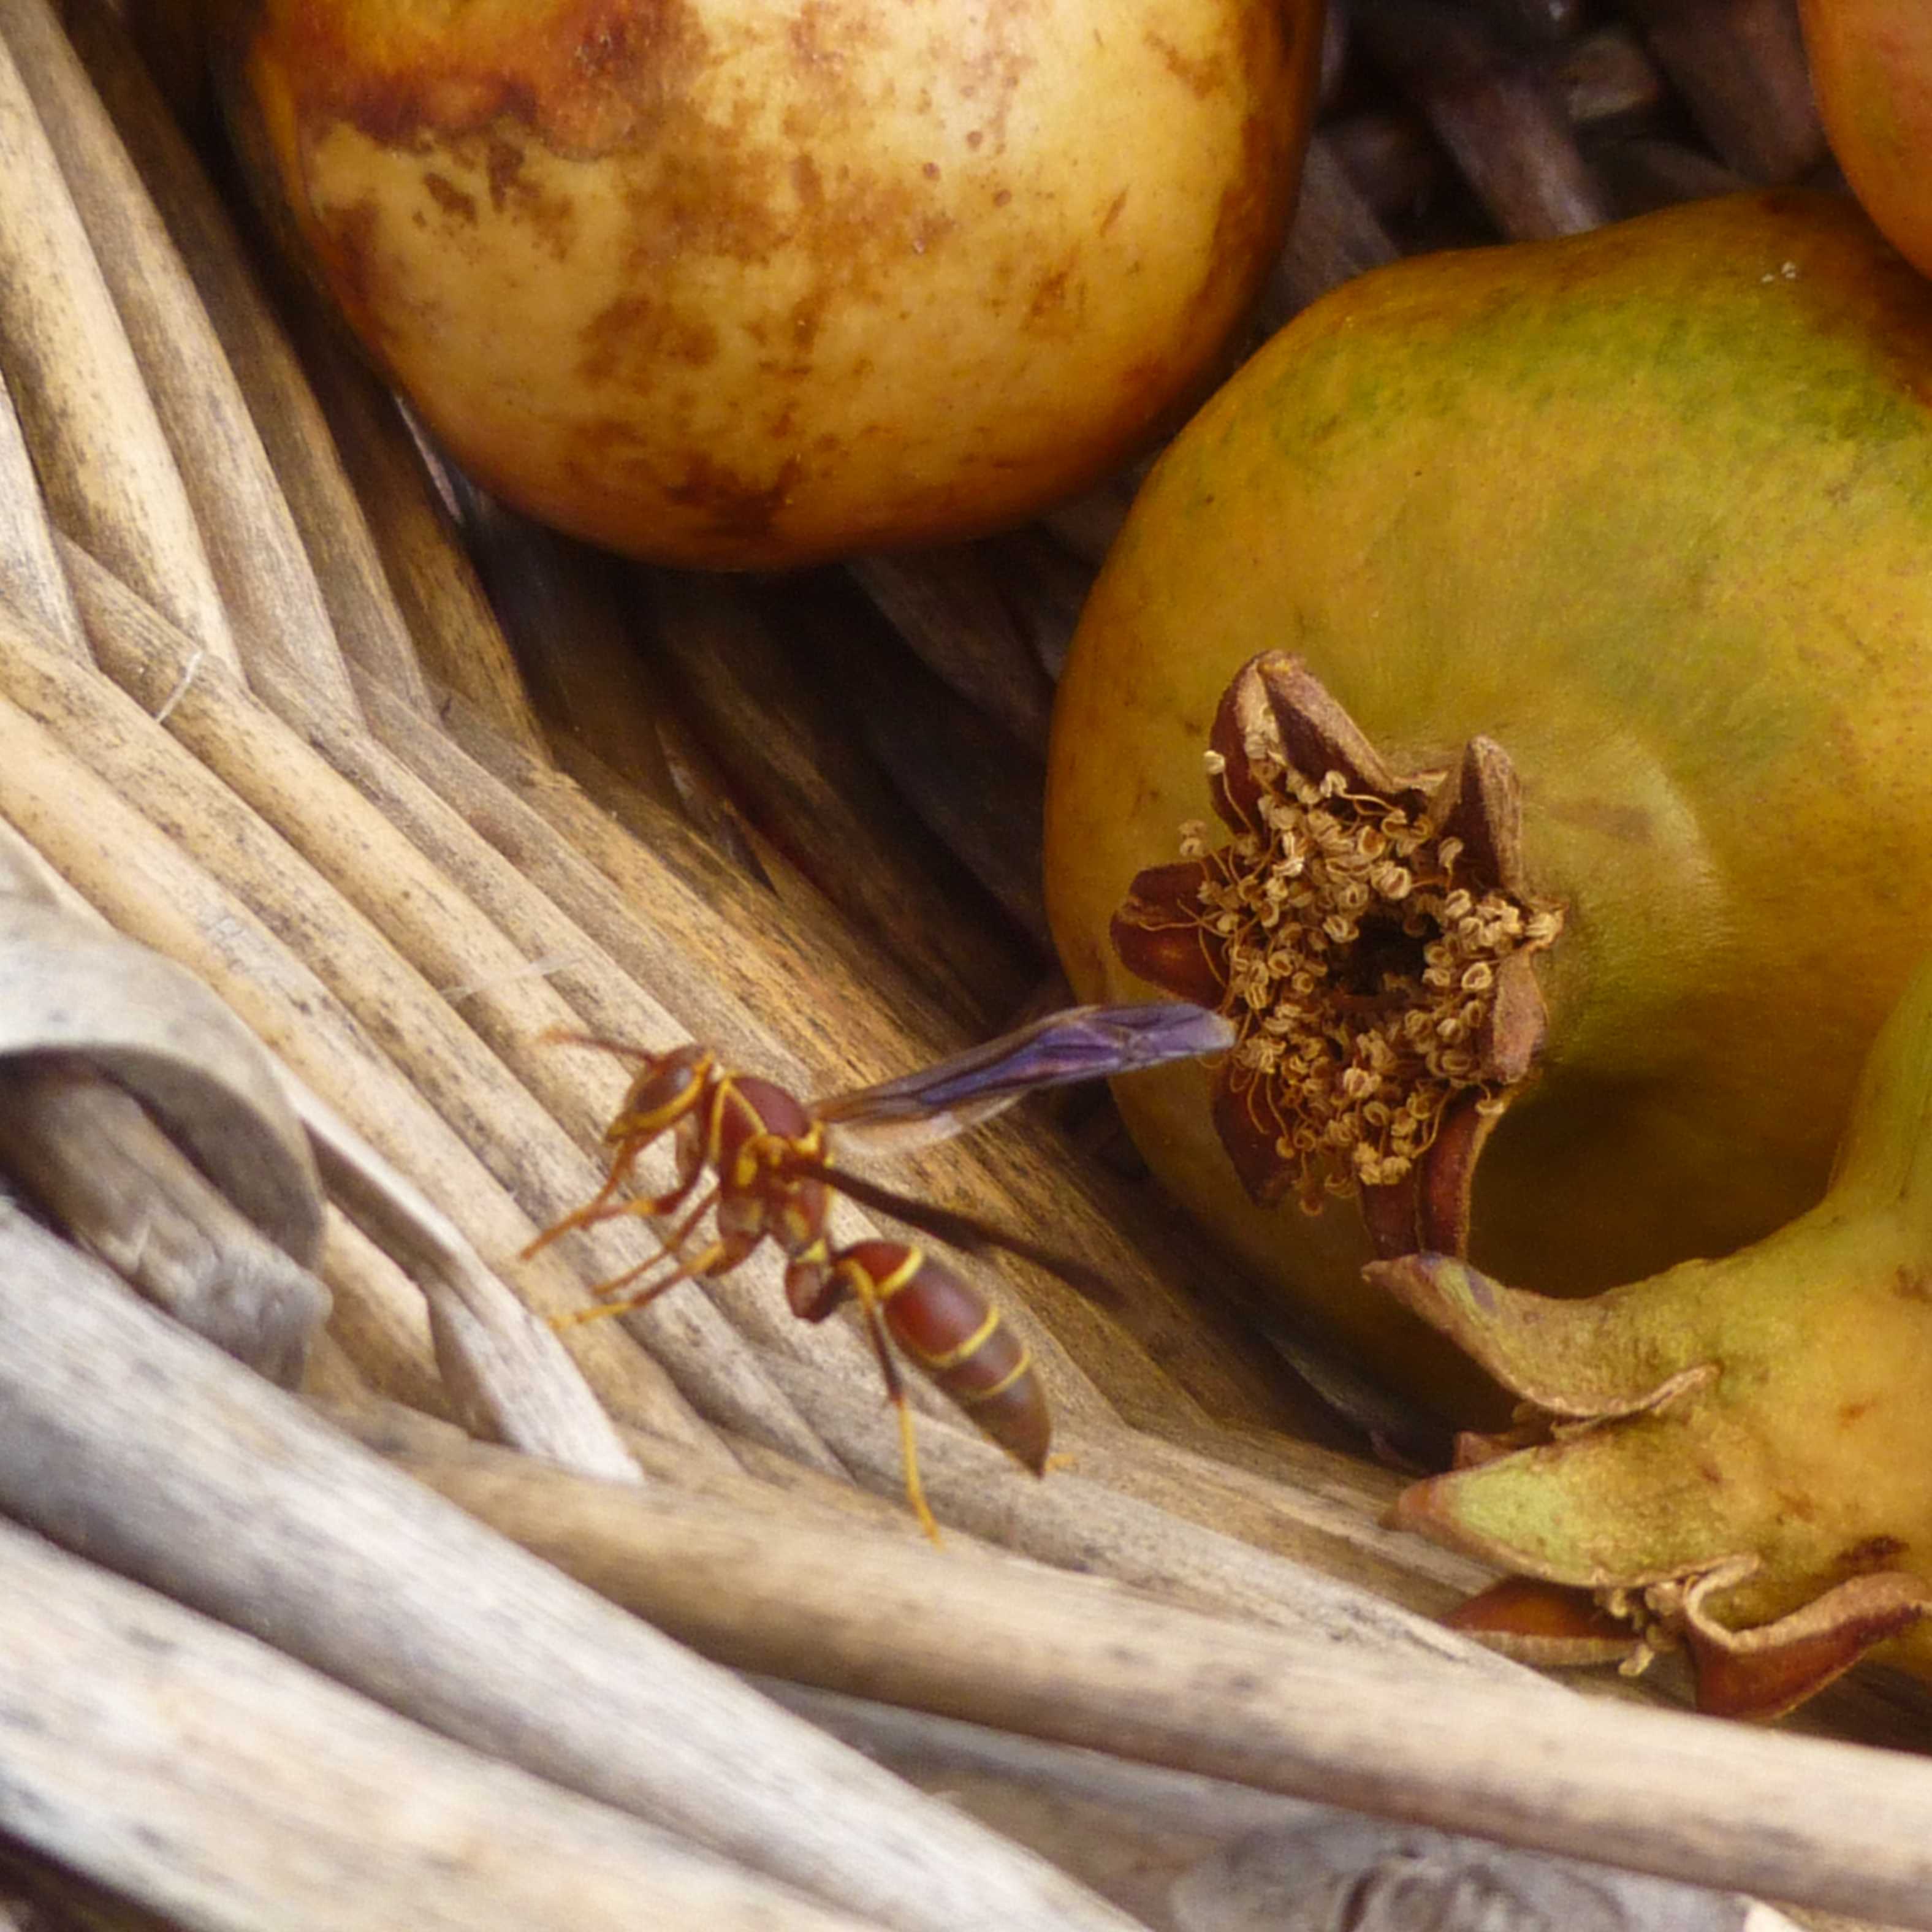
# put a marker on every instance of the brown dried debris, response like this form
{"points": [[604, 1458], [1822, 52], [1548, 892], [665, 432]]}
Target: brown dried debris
{"points": [[1370, 935]]}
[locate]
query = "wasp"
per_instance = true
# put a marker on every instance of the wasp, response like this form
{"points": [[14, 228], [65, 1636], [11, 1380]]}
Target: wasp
{"points": [[765, 1152]]}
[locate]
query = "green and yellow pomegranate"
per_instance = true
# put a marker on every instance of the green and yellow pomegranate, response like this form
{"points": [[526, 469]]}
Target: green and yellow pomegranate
{"points": [[1510, 699]]}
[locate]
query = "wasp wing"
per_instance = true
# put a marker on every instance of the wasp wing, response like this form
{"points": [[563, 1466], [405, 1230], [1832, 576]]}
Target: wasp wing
{"points": [[967, 1232], [1080, 1043]]}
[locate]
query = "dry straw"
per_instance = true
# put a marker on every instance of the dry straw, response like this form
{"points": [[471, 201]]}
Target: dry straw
{"points": [[283, 1655]]}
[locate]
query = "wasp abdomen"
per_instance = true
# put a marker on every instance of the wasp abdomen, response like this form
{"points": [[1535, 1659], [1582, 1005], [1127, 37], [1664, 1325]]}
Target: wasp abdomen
{"points": [[959, 1340]]}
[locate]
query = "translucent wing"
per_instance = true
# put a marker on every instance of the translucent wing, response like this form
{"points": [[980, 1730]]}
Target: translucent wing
{"points": [[967, 1232], [1080, 1043]]}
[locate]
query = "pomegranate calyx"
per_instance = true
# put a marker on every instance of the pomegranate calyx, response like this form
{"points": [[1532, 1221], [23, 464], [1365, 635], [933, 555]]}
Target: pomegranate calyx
{"points": [[1761, 1672], [1371, 935], [1547, 1625], [1727, 1456], [1572, 1362]]}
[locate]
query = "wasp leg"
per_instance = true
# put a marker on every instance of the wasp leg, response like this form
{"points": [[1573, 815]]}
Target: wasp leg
{"points": [[865, 1289], [601, 1208], [703, 1262]]}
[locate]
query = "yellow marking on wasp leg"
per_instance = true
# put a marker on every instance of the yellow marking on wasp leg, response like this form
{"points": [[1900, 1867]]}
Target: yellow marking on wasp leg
{"points": [[909, 1458], [971, 1396], [573, 1317], [952, 1357], [867, 1290]]}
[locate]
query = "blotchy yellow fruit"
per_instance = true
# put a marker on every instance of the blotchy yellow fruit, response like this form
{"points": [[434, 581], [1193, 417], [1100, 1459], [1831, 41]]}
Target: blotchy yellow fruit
{"points": [[1652, 509], [732, 282]]}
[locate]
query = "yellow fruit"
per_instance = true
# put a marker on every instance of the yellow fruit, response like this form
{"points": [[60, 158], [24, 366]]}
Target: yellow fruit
{"points": [[728, 283], [1650, 509], [1871, 64]]}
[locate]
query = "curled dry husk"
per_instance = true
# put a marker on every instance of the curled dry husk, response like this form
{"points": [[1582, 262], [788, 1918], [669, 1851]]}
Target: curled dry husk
{"points": [[1728, 1457]]}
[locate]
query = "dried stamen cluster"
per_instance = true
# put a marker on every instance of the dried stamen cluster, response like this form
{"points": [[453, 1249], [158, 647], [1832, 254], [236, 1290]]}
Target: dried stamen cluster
{"points": [[1366, 933], [1361, 960]]}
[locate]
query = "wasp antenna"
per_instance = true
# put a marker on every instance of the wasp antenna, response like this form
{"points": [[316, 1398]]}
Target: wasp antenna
{"points": [[625, 1049]]}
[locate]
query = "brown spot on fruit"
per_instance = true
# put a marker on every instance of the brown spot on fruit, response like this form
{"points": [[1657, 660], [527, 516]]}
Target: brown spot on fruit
{"points": [[502, 163], [451, 199], [1200, 77], [1048, 303], [621, 343], [583, 78], [1875, 1552], [1911, 1284], [352, 260], [808, 314], [731, 506]]}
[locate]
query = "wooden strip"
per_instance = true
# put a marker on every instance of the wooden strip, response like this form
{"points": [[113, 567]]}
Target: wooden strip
{"points": [[1498, 1755], [1647, 172], [788, 752], [1498, 114], [506, 1374], [265, 577], [957, 772], [368, 623], [1088, 524], [580, 633], [30, 565], [379, 1326], [454, 636], [1336, 235], [99, 452], [149, 889], [946, 766], [1189, 1853], [1084, 1521], [378, 889], [90, 1156], [953, 612], [164, 1460], [1609, 82], [1046, 586], [199, 1772], [69, 985], [1740, 64], [38, 1894]]}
